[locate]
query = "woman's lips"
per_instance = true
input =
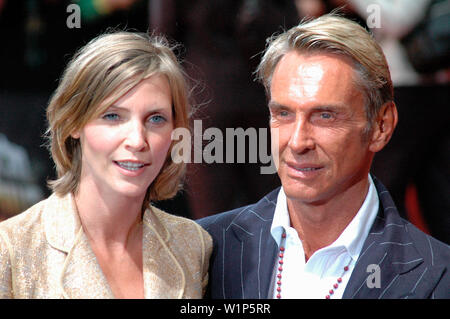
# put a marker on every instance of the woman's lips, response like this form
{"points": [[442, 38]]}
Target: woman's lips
{"points": [[131, 166]]}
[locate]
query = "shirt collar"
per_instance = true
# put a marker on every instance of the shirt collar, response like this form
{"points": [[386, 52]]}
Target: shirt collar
{"points": [[281, 221], [353, 236]]}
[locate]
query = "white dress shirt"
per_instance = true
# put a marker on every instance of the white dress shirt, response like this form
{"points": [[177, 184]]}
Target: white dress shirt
{"points": [[314, 279]]}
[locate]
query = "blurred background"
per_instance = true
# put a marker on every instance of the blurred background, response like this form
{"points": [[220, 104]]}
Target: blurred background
{"points": [[222, 41]]}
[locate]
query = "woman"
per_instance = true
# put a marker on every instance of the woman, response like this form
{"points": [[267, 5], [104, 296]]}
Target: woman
{"points": [[97, 236]]}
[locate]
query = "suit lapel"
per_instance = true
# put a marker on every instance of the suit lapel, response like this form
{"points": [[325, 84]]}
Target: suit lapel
{"points": [[389, 247], [257, 247], [81, 276], [163, 274]]}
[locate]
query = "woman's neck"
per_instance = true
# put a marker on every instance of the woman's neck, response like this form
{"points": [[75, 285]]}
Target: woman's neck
{"points": [[107, 217]]}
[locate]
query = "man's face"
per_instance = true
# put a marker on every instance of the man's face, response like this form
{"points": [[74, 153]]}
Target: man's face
{"points": [[318, 113]]}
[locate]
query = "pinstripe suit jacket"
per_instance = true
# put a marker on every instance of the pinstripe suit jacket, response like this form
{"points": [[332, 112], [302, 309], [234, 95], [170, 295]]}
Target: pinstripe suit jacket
{"points": [[412, 264]]}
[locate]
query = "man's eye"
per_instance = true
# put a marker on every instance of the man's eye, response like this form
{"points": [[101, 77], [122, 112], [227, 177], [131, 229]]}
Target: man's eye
{"points": [[325, 115], [279, 113]]}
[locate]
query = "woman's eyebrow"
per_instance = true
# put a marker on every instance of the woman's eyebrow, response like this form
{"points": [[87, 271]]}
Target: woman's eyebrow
{"points": [[153, 107]]}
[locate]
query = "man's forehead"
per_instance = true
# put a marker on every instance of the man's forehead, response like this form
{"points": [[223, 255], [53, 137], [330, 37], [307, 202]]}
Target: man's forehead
{"points": [[310, 64], [304, 75]]}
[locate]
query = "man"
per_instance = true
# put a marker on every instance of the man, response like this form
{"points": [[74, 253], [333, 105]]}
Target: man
{"points": [[331, 230]]}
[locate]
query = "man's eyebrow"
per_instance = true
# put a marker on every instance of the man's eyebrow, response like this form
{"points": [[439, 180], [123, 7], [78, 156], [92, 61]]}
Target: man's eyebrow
{"points": [[329, 107], [275, 105], [326, 107]]}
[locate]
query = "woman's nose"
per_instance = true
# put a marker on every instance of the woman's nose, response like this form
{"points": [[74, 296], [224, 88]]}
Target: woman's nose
{"points": [[136, 138]]}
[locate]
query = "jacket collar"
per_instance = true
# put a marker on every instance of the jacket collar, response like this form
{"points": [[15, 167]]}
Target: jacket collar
{"points": [[61, 222], [387, 246], [81, 275], [164, 277], [252, 227]]}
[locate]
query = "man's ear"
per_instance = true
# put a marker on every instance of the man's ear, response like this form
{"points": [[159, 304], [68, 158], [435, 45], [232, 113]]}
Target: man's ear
{"points": [[384, 126]]}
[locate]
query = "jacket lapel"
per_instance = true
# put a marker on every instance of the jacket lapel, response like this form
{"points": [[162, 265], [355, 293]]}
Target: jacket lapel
{"points": [[257, 247], [389, 247], [163, 275], [81, 276]]}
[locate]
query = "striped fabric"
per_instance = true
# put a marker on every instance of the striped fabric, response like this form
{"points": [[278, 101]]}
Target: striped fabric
{"points": [[410, 263]]}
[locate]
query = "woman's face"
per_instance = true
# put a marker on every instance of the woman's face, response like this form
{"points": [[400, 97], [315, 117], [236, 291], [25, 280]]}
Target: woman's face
{"points": [[124, 149]]}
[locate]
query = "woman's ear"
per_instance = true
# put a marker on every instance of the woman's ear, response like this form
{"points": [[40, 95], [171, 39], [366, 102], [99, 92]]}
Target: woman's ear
{"points": [[384, 126], [75, 134]]}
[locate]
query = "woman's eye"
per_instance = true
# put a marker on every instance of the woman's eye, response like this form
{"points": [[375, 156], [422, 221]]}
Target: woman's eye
{"points": [[111, 116], [157, 119]]}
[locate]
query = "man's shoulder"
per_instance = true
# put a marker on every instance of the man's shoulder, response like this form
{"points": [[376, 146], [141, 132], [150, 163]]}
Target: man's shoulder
{"points": [[431, 249], [225, 219]]}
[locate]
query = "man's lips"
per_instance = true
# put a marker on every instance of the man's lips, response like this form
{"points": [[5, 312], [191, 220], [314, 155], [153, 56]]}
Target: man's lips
{"points": [[304, 167]]}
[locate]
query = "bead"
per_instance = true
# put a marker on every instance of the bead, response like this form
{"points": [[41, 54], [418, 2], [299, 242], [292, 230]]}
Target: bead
{"points": [[280, 269]]}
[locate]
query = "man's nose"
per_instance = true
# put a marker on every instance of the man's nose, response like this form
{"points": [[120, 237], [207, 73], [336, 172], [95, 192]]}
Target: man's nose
{"points": [[301, 139], [136, 137]]}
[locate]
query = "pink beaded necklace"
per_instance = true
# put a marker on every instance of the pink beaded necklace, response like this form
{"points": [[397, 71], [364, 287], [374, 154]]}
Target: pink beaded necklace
{"points": [[280, 270]]}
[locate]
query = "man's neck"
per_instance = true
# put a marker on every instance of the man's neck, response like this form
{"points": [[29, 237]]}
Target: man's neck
{"points": [[319, 225]]}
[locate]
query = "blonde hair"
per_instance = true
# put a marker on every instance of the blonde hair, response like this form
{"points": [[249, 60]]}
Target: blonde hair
{"points": [[334, 34], [98, 75]]}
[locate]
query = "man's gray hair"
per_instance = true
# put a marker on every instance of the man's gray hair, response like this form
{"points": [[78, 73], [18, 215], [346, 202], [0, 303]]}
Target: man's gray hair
{"points": [[334, 34]]}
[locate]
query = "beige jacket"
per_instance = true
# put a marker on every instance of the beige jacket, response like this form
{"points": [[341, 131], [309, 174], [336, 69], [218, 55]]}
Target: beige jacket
{"points": [[44, 253]]}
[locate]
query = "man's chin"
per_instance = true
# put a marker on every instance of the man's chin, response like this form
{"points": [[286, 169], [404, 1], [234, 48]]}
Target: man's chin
{"points": [[305, 196]]}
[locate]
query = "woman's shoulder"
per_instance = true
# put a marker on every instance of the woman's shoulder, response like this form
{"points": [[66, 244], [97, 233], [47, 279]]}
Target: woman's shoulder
{"points": [[172, 221], [24, 230], [24, 221], [180, 226]]}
